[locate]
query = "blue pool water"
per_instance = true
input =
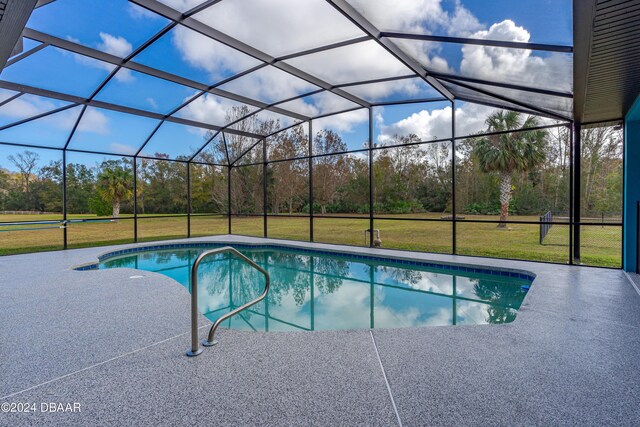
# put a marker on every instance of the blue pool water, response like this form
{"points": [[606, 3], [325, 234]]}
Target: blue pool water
{"points": [[320, 291]]}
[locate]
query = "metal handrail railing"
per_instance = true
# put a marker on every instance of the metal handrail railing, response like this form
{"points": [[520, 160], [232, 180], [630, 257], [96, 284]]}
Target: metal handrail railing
{"points": [[195, 348]]}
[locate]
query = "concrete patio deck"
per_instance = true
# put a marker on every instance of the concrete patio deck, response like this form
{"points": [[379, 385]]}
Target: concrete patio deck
{"points": [[116, 346]]}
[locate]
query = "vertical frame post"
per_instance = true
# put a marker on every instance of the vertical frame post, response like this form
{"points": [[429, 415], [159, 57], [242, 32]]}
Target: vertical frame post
{"points": [[264, 187], [311, 181], [64, 199], [188, 199], [135, 199], [624, 201], [454, 229], [229, 196], [577, 170], [371, 177], [571, 217]]}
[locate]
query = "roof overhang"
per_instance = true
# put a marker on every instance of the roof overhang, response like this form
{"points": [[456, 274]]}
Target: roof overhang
{"points": [[606, 59], [13, 17]]}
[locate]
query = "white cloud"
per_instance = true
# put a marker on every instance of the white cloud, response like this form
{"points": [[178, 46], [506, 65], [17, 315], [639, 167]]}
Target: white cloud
{"points": [[120, 47], [181, 5], [418, 16], [85, 60], [409, 88], [6, 94], [123, 149], [428, 125], [522, 66], [405, 15], [462, 22], [474, 313], [282, 26], [269, 84], [207, 109], [138, 12], [215, 58], [115, 45], [279, 27], [26, 106], [344, 122], [420, 280], [349, 306], [514, 65], [152, 102], [353, 63], [470, 118], [94, 121], [63, 120], [320, 103]]}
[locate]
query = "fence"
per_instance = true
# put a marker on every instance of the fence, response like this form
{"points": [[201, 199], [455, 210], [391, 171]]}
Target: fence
{"points": [[545, 225]]}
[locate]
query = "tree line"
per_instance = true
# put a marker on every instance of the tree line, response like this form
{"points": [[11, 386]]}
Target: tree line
{"points": [[518, 172], [106, 188]]}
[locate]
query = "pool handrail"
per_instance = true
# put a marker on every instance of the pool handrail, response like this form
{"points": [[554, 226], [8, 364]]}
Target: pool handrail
{"points": [[195, 348]]}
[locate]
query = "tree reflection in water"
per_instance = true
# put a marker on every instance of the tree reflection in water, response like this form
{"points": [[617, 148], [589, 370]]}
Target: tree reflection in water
{"points": [[501, 299], [309, 290]]}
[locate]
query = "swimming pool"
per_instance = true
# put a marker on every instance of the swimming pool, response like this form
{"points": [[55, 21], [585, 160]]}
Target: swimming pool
{"points": [[314, 290]]}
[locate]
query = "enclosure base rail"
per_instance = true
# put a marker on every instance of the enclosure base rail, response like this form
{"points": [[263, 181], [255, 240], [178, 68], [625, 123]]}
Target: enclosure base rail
{"points": [[195, 348]]}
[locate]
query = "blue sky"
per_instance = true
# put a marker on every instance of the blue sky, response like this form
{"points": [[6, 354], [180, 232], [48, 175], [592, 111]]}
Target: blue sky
{"points": [[548, 21], [119, 27]]}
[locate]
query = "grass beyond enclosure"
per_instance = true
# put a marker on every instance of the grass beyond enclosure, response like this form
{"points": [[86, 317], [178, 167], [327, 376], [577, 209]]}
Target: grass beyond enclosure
{"points": [[601, 245]]}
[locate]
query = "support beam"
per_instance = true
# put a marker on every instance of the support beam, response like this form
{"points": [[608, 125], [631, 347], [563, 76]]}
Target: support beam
{"points": [[311, 186], [193, 24], [188, 165], [64, 198], [501, 106], [26, 54], [479, 42], [114, 107], [371, 178], [454, 208], [571, 188], [229, 202], [577, 192], [356, 17], [265, 164], [132, 65], [201, 7], [453, 78], [11, 98], [134, 162], [533, 108]]}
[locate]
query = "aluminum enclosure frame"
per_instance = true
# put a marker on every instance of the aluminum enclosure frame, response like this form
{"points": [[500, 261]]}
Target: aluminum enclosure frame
{"points": [[385, 39]]}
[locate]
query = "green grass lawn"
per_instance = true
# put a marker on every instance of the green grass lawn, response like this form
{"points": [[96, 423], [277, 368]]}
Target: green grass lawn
{"points": [[600, 245]]}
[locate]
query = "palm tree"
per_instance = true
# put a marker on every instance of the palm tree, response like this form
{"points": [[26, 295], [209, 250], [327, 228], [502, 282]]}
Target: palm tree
{"points": [[507, 153], [114, 184]]}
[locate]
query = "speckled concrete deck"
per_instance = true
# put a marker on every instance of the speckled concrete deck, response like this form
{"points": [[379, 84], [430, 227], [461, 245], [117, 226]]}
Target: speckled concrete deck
{"points": [[116, 346]]}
